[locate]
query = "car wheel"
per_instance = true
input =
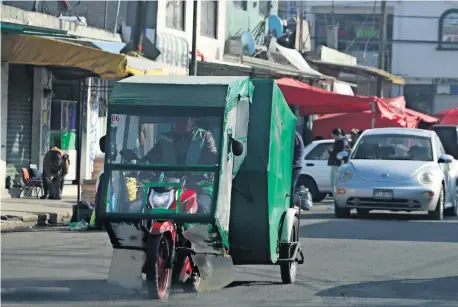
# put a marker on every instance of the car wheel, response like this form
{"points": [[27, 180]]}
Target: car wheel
{"points": [[310, 184], [341, 213], [438, 213], [362, 212]]}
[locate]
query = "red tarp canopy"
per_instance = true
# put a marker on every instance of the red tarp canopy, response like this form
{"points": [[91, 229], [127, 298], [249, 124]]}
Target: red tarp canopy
{"points": [[314, 100], [399, 104], [323, 125], [448, 117]]}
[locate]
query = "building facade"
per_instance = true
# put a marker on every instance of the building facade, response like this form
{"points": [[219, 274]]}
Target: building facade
{"points": [[425, 53], [422, 44], [244, 16], [38, 105]]}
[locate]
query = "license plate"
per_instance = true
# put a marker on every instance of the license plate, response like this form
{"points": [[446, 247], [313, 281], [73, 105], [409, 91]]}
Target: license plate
{"points": [[383, 194]]}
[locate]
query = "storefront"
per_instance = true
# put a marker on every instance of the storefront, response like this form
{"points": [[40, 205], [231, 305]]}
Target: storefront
{"points": [[446, 94], [46, 78]]}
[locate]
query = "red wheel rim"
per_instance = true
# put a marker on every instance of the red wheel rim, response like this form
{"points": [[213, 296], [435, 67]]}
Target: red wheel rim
{"points": [[163, 270]]}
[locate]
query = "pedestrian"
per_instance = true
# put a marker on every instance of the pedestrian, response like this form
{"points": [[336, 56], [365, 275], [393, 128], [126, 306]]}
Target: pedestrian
{"points": [[354, 133], [55, 166], [340, 144], [298, 153], [95, 219]]}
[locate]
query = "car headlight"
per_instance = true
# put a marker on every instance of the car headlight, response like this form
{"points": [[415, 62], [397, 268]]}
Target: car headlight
{"points": [[426, 178], [345, 175]]}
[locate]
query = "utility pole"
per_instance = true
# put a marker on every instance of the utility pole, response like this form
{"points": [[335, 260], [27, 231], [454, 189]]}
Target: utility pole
{"points": [[140, 25], [194, 40], [382, 47]]}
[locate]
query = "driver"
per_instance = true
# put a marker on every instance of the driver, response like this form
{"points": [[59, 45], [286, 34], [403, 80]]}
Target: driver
{"points": [[187, 144]]}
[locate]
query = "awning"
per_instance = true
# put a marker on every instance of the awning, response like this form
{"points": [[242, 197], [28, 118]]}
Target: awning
{"points": [[277, 69], [323, 125], [174, 52], [296, 59], [312, 100], [50, 52], [448, 117], [360, 70]]}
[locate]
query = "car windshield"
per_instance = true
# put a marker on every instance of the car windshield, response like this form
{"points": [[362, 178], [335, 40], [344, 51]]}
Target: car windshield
{"points": [[393, 147]]}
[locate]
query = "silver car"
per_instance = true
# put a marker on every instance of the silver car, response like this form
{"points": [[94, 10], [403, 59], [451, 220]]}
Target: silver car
{"points": [[397, 169]]}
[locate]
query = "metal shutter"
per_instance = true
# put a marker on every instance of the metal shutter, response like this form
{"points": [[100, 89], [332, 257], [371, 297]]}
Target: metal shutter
{"points": [[19, 121]]}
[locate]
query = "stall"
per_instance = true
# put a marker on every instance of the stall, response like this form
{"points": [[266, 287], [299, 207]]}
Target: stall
{"points": [[448, 117]]}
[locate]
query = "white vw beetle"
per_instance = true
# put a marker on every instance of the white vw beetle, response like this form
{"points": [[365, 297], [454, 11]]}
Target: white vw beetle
{"points": [[397, 169]]}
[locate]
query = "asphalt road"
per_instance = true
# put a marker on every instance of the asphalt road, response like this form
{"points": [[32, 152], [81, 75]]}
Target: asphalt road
{"points": [[385, 260]]}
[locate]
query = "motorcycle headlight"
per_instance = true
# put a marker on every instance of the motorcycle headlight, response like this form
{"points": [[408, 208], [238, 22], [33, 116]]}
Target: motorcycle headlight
{"points": [[426, 178], [345, 175]]}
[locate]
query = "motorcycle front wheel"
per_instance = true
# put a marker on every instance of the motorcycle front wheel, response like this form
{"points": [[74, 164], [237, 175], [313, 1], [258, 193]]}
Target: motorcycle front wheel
{"points": [[158, 266]]}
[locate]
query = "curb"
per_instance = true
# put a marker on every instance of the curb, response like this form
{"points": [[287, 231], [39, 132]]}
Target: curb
{"points": [[10, 223]]}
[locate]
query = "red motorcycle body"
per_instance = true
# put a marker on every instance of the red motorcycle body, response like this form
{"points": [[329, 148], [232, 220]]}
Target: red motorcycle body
{"points": [[188, 202]]}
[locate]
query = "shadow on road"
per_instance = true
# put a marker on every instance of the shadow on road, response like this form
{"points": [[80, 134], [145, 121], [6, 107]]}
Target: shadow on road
{"points": [[41, 291], [386, 227], [443, 288], [244, 283]]}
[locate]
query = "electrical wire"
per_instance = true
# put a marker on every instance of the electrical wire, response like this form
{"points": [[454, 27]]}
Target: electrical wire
{"points": [[362, 25], [372, 28]]}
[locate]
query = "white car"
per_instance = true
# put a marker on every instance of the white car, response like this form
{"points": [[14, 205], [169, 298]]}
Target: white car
{"points": [[315, 173]]}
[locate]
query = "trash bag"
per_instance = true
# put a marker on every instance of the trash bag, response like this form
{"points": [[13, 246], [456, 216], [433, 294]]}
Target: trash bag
{"points": [[308, 204]]}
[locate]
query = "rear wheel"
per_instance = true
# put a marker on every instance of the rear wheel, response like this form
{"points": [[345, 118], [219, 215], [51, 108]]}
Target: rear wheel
{"points": [[438, 213], [310, 184], [341, 213], [288, 270], [158, 268]]}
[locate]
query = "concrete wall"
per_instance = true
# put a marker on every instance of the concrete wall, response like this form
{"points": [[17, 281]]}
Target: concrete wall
{"points": [[93, 11], [3, 117], [421, 59], [210, 47], [239, 20], [13, 14]]}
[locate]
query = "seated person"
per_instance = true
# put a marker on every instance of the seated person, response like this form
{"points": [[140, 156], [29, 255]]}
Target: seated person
{"points": [[187, 144]]}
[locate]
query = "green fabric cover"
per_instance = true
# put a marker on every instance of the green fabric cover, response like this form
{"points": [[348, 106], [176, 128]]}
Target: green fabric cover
{"points": [[259, 193]]}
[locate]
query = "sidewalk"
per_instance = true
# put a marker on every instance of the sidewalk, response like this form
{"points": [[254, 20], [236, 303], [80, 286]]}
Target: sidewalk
{"points": [[25, 212]]}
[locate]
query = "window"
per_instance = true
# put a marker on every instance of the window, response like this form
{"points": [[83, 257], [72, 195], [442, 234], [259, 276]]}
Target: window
{"points": [[320, 152], [264, 7], [448, 30], [242, 4], [175, 14], [209, 18], [393, 147]]}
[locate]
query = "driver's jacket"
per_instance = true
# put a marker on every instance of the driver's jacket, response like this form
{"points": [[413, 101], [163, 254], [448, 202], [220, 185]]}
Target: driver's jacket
{"points": [[197, 147]]}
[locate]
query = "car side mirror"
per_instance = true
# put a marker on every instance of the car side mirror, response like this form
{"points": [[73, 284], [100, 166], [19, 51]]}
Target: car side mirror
{"points": [[343, 155], [445, 159], [237, 147]]}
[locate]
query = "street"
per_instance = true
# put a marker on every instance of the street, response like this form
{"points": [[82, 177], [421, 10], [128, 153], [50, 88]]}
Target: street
{"points": [[396, 260]]}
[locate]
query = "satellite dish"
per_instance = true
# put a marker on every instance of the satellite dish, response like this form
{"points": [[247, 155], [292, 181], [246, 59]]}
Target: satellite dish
{"points": [[275, 26], [248, 45]]}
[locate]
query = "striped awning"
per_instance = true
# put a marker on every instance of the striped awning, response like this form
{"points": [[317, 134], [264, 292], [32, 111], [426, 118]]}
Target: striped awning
{"points": [[174, 52]]}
